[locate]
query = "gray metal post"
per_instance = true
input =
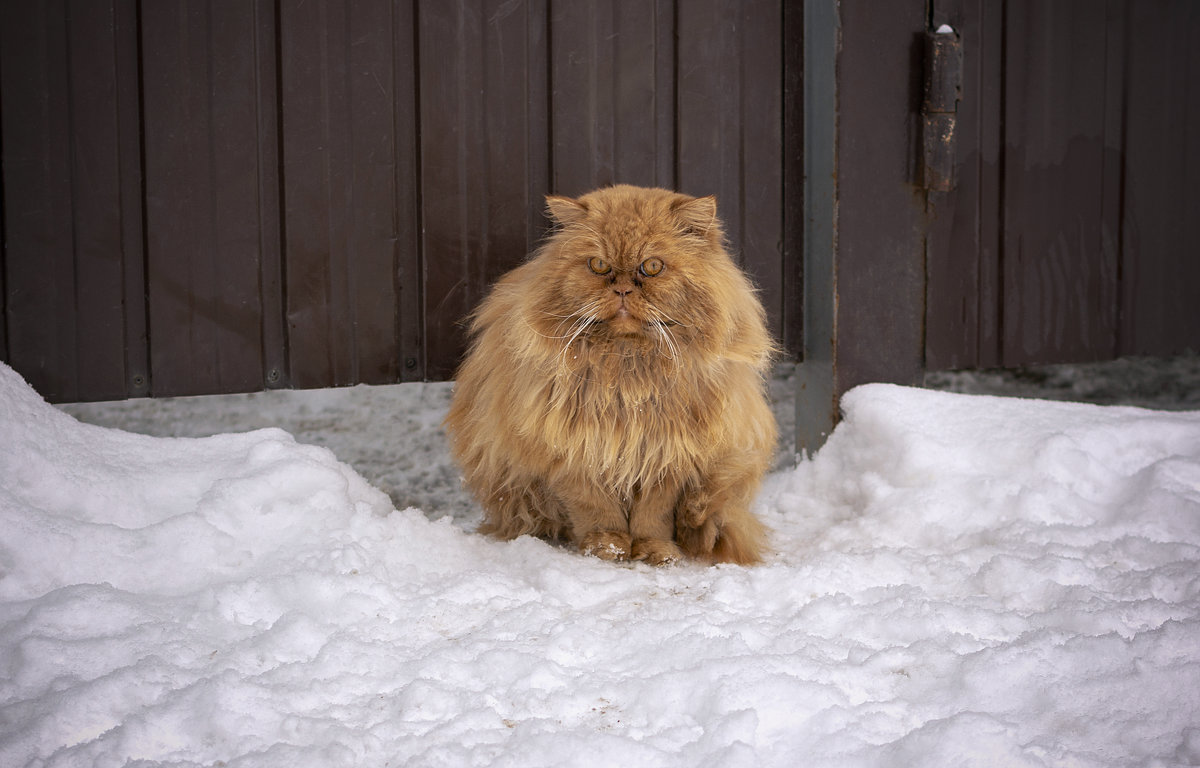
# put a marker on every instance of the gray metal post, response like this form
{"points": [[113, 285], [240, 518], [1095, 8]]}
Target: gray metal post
{"points": [[816, 406]]}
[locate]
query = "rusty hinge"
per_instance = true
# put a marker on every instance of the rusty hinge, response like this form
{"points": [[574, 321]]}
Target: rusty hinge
{"points": [[939, 108]]}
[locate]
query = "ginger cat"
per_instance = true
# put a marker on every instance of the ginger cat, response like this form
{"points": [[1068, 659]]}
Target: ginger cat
{"points": [[614, 392]]}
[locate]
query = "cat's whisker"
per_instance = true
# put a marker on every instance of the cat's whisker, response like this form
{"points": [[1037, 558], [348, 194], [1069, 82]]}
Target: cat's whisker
{"points": [[665, 334], [552, 336], [670, 337], [582, 320], [579, 327], [555, 314], [557, 335], [661, 323], [664, 316], [584, 315], [575, 323]]}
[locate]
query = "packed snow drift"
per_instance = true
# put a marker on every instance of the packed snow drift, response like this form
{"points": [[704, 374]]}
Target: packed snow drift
{"points": [[956, 581]]}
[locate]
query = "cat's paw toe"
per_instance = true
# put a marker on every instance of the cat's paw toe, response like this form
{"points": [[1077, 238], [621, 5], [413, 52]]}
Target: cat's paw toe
{"points": [[607, 545], [656, 552]]}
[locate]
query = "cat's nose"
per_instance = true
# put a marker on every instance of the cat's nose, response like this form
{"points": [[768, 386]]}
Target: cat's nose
{"points": [[622, 285]]}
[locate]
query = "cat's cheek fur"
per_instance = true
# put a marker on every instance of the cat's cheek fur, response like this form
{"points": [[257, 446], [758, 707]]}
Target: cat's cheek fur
{"points": [[644, 445]]}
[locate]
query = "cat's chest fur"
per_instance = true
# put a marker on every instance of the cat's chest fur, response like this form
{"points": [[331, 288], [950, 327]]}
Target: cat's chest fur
{"points": [[628, 419]]}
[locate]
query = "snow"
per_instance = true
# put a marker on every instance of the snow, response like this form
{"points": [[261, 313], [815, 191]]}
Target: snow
{"points": [[956, 580]]}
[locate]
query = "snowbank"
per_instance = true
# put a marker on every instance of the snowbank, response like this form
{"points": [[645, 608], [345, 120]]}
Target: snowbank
{"points": [[958, 581]]}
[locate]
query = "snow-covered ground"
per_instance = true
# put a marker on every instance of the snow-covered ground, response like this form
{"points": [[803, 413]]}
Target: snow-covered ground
{"points": [[956, 580]]}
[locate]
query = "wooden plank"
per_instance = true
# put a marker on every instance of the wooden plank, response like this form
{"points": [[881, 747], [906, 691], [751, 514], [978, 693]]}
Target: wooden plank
{"points": [[409, 264], [348, 142], [270, 216], [1112, 174], [1160, 263], [483, 150], [792, 150], [964, 238], [952, 311], [880, 270], [991, 188], [864, 281], [204, 223], [37, 180], [107, 236], [39, 255], [730, 120], [132, 204], [72, 225], [1060, 283], [612, 94]]}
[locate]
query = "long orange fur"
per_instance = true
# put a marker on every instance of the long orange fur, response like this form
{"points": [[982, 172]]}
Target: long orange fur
{"points": [[622, 410]]}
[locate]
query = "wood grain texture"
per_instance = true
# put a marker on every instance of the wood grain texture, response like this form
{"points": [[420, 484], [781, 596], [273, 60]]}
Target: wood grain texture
{"points": [[350, 231], [72, 215]]}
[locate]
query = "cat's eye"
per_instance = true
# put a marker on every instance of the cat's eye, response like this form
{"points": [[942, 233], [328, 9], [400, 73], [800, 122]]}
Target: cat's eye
{"points": [[651, 267], [599, 265]]}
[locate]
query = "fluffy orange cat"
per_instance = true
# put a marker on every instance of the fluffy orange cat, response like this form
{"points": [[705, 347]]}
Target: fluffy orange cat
{"points": [[613, 394]]}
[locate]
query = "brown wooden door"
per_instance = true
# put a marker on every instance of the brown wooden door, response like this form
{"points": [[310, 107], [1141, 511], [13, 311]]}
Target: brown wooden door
{"points": [[1076, 157], [1078, 167]]}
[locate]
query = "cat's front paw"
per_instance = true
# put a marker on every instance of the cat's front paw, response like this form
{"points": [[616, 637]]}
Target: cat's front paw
{"points": [[607, 545], [656, 552]]}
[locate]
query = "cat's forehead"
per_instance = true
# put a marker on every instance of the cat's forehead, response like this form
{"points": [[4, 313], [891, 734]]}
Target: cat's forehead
{"points": [[627, 240], [626, 226], [622, 223], [631, 222]]}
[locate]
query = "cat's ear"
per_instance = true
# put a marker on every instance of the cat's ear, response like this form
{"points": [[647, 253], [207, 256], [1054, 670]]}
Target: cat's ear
{"points": [[699, 215], [565, 210]]}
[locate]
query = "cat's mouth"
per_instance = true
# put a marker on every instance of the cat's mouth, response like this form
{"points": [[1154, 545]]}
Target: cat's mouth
{"points": [[624, 322]]}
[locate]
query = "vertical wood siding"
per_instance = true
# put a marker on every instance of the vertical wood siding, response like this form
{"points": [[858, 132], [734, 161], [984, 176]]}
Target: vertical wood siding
{"points": [[227, 195], [204, 153], [350, 224], [73, 265], [215, 196], [483, 155], [1160, 252], [1079, 165]]}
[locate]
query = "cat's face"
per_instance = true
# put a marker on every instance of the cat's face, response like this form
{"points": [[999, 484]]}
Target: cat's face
{"points": [[629, 264]]}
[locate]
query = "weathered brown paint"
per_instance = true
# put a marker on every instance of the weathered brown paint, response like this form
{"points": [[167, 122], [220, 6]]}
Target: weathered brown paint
{"points": [[483, 104], [317, 193], [1159, 250], [730, 119], [1062, 241], [880, 219], [73, 301], [348, 183], [320, 192], [612, 101], [201, 77]]}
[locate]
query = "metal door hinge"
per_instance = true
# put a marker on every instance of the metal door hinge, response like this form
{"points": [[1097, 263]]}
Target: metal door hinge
{"points": [[939, 108]]}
